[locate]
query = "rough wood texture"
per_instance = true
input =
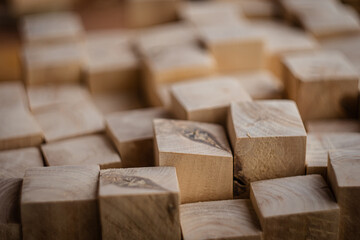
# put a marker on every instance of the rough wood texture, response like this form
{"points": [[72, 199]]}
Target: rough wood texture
{"points": [[87, 150], [139, 203], [132, 133], [60, 203], [332, 126], [202, 157], [295, 208], [227, 219], [13, 163], [324, 77], [206, 99], [12, 96], [343, 173], [69, 120], [269, 141]]}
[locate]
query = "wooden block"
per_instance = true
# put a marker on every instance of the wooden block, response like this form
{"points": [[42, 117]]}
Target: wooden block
{"points": [[206, 99], [332, 126], [324, 77], [13, 96], [227, 219], [23, 7], [258, 9], [343, 173], [69, 120], [10, 225], [260, 84], [296, 208], [60, 203], [14, 162], [139, 203], [53, 27], [10, 69], [61, 62], [202, 157], [268, 139], [87, 150], [234, 47], [158, 95], [132, 134]]}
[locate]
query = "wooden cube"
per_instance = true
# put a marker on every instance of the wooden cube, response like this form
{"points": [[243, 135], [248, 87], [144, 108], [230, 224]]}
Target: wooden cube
{"points": [[132, 134], [206, 99], [69, 120], [202, 157], [324, 77], [13, 163], [139, 203], [332, 126], [60, 203], [296, 208], [13, 96], [86, 150], [343, 173], [269, 141], [227, 219]]}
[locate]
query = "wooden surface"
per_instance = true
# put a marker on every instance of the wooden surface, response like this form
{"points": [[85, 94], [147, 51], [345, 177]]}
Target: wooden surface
{"points": [[132, 134], [13, 96], [22, 7], [139, 203], [258, 9], [296, 207], [202, 157], [60, 203], [10, 69], [227, 219], [337, 125], [268, 139], [86, 150]]}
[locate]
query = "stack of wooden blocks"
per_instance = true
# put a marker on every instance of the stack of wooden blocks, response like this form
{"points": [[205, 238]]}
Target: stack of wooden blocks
{"points": [[169, 119]]}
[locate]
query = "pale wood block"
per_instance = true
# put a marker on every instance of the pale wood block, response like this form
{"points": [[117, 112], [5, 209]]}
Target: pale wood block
{"points": [[268, 139], [324, 77], [10, 69], [24, 7], [258, 9], [202, 157], [296, 208], [132, 133], [13, 163], [206, 99], [60, 203], [10, 224], [234, 47], [87, 150], [13, 96], [139, 203], [57, 63], [332, 126], [343, 173], [227, 219], [52, 27], [69, 120]]}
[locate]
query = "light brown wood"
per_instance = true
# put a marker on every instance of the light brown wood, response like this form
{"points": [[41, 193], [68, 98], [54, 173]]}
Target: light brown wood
{"points": [[69, 120], [60, 203], [87, 150], [227, 219], [10, 69], [158, 94], [269, 141], [13, 163], [258, 9], [336, 125], [13, 96], [139, 203], [296, 208], [132, 133], [206, 99], [202, 157], [343, 173], [324, 77]]}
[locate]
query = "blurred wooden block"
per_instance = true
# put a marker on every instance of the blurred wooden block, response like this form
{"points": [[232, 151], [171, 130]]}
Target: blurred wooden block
{"points": [[10, 224], [132, 133], [202, 157], [13, 163], [269, 141], [158, 95], [227, 219], [234, 47], [296, 207], [343, 173], [69, 120], [60, 203], [10, 69], [24, 7], [55, 63], [139, 203], [258, 9], [53, 27], [324, 77], [206, 99], [13, 96], [87, 150], [337, 125]]}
